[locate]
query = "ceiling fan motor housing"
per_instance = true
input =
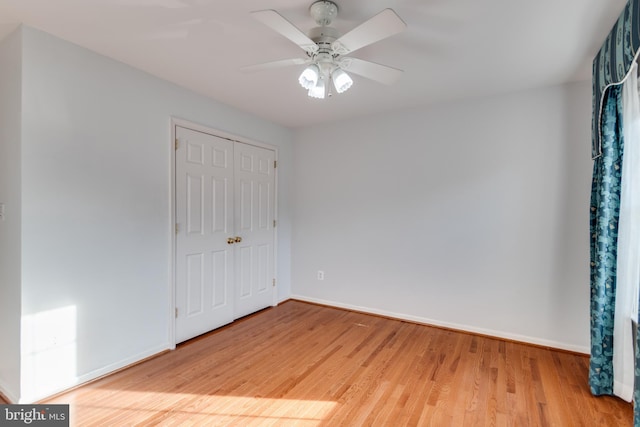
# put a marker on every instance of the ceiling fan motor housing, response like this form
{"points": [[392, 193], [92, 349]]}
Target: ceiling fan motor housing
{"points": [[325, 57], [324, 36]]}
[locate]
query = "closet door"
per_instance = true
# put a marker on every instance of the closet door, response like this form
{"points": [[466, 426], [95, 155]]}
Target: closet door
{"points": [[225, 210], [204, 216], [254, 222]]}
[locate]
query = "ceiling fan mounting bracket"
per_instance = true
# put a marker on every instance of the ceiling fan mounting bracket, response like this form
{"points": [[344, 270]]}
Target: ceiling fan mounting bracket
{"points": [[323, 12]]}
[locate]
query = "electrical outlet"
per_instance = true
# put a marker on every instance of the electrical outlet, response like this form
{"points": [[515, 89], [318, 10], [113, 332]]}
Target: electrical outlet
{"points": [[320, 275]]}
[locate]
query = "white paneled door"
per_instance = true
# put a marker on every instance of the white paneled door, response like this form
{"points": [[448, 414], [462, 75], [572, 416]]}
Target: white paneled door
{"points": [[254, 216], [224, 267]]}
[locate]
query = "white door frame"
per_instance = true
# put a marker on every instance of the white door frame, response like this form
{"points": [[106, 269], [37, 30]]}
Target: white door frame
{"points": [[172, 211]]}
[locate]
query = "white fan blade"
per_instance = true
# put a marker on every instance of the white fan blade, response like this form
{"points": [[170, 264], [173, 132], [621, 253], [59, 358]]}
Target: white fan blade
{"points": [[276, 64], [383, 25], [371, 70], [277, 22]]}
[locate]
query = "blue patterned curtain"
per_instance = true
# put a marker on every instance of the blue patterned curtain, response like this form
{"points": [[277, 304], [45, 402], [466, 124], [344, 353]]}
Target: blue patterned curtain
{"points": [[605, 212], [610, 68]]}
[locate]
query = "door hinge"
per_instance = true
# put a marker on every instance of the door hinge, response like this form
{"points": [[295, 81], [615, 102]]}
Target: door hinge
{"points": [[176, 312], [274, 223], [177, 228], [274, 283], [275, 164], [176, 144]]}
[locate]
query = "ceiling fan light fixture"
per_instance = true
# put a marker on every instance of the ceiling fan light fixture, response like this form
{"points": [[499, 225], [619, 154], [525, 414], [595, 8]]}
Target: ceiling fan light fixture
{"points": [[309, 77], [341, 80], [327, 48], [318, 90]]}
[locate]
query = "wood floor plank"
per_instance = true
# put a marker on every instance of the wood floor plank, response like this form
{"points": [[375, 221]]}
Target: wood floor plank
{"points": [[307, 365]]}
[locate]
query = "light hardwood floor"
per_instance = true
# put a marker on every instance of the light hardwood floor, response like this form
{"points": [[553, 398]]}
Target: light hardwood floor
{"points": [[307, 365]]}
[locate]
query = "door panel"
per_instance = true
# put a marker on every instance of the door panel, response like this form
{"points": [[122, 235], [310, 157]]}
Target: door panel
{"points": [[204, 214], [195, 282], [245, 259], [220, 211], [195, 204], [264, 258], [220, 273], [246, 198]]}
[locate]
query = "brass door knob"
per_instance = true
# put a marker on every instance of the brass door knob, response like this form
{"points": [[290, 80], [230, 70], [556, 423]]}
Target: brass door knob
{"points": [[231, 240], [238, 239]]}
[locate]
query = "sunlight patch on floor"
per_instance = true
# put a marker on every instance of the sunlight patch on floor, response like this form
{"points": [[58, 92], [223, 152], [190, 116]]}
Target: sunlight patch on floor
{"points": [[139, 406]]}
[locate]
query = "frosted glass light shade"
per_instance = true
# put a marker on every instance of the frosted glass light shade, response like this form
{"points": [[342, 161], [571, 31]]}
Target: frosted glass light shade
{"points": [[341, 80], [309, 77], [318, 90]]}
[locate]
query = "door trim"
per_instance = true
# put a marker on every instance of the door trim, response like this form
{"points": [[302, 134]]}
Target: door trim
{"points": [[175, 121]]}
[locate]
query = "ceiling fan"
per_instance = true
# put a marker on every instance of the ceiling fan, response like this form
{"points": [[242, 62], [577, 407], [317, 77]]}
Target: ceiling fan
{"points": [[326, 49]]}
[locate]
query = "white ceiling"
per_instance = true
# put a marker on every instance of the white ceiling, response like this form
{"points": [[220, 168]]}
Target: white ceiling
{"points": [[451, 49]]}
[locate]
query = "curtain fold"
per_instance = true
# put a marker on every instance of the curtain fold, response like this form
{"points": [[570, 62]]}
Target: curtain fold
{"points": [[604, 217], [628, 267]]}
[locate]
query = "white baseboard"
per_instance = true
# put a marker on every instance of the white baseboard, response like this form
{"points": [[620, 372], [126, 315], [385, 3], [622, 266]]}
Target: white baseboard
{"points": [[97, 373], [459, 327]]}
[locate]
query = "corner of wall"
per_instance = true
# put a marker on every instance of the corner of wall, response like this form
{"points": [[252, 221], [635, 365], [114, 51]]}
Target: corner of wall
{"points": [[10, 212]]}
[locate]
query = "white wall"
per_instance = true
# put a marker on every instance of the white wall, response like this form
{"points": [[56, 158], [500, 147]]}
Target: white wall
{"points": [[472, 215], [10, 93], [96, 201]]}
